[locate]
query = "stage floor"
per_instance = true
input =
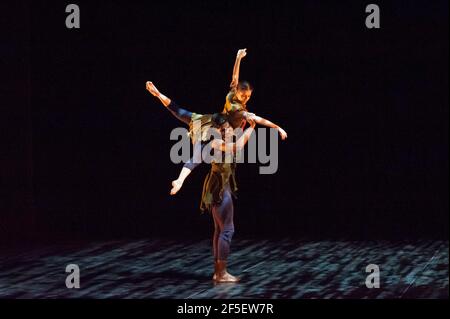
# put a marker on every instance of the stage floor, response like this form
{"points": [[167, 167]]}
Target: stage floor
{"points": [[169, 269]]}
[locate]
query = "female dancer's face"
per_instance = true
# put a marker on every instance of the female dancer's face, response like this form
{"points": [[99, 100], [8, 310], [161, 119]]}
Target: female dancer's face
{"points": [[243, 95]]}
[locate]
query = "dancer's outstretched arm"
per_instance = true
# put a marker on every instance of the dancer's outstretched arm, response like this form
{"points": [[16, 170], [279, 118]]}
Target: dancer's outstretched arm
{"points": [[263, 122], [235, 78]]}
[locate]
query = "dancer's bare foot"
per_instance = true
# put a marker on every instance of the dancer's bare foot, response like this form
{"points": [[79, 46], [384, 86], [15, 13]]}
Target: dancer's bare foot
{"points": [[152, 88], [176, 185], [226, 277], [221, 274]]}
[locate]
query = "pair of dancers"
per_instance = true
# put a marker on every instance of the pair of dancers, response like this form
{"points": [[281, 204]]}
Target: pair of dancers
{"points": [[219, 186]]}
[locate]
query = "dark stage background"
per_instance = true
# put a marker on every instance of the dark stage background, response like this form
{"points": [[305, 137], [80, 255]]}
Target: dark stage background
{"points": [[366, 112]]}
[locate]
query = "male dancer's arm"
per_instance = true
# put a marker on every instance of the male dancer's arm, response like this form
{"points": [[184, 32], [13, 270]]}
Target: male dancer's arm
{"points": [[191, 165], [240, 143]]}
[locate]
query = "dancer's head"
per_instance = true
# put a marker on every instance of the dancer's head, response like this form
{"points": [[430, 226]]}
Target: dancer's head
{"points": [[220, 122], [244, 91]]}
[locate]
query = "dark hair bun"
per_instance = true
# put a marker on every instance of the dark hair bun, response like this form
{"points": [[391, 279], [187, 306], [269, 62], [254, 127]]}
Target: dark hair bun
{"points": [[219, 119]]}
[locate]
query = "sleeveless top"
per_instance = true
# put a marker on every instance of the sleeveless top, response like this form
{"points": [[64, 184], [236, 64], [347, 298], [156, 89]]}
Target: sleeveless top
{"points": [[235, 110], [201, 123]]}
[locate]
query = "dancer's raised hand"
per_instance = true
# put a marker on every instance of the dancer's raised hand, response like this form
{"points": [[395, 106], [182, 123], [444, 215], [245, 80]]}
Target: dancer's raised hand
{"points": [[242, 53]]}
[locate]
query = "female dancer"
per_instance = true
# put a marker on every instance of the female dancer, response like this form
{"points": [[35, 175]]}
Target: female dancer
{"points": [[235, 107]]}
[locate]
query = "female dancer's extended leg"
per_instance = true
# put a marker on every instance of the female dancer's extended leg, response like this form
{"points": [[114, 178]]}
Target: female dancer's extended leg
{"points": [[180, 113], [184, 116]]}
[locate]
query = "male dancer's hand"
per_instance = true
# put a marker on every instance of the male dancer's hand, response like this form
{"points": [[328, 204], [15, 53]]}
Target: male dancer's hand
{"points": [[250, 116]]}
